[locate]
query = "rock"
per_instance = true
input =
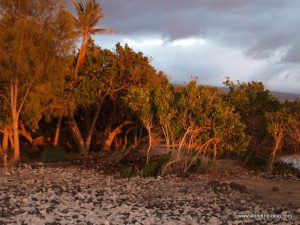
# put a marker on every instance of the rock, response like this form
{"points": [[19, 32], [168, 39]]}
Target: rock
{"points": [[80, 196], [214, 221], [188, 220], [243, 202]]}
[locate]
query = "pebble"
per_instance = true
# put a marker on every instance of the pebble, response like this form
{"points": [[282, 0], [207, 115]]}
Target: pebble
{"points": [[78, 196]]}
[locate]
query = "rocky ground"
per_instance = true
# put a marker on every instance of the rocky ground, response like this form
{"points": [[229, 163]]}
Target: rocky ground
{"points": [[39, 194]]}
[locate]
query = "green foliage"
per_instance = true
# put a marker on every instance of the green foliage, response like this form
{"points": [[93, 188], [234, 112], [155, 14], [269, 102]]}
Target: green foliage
{"points": [[252, 101], [54, 154], [139, 100], [154, 167]]}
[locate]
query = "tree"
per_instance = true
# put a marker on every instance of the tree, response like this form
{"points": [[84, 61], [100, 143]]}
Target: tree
{"points": [[164, 110], [139, 99], [277, 126], [32, 50], [203, 124], [252, 101], [88, 17]]}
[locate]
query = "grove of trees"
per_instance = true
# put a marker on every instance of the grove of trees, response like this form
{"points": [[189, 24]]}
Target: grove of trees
{"points": [[95, 99]]}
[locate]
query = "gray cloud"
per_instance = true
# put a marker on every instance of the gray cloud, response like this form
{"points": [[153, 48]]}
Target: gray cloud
{"points": [[264, 32], [260, 27]]}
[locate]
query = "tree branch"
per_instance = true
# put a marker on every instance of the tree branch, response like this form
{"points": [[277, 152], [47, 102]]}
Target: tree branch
{"points": [[5, 98], [25, 97]]}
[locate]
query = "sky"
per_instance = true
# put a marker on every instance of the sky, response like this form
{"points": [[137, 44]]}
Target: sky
{"points": [[212, 39]]}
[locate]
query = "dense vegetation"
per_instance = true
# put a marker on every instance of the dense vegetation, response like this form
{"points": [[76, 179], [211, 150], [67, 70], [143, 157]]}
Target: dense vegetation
{"points": [[96, 99]]}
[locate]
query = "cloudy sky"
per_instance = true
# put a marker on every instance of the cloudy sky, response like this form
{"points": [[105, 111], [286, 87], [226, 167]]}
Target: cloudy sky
{"points": [[243, 39]]}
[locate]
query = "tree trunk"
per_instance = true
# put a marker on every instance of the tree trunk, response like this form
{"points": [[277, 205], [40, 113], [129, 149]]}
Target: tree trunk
{"points": [[92, 128], [5, 146], [114, 133], [16, 146], [77, 135], [57, 131], [15, 120], [26, 134], [278, 142], [150, 144]]}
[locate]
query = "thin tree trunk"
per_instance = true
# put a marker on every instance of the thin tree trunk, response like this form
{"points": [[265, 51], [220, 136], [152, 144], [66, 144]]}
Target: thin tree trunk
{"points": [[150, 144], [92, 128], [276, 148], [16, 146], [15, 120], [57, 131], [77, 134], [5, 146]]}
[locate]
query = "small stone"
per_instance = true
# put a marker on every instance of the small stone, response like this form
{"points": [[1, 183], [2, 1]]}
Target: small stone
{"points": [[80, 196]]}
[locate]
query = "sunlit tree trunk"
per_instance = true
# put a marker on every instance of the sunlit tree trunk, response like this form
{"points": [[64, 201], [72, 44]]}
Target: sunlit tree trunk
{"points": [[148, 127], [15, 119], [111, 136], [278, 142], [57, 131], [26, 134]]}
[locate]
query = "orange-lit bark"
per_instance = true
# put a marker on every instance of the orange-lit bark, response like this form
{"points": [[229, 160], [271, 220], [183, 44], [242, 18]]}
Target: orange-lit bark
{"points": [[111, 136]]}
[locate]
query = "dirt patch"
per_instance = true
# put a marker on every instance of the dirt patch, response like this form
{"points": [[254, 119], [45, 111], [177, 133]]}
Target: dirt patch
{"points": [[279, 192]]}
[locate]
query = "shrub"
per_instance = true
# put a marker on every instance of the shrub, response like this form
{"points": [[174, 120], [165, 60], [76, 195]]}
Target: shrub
{"points": [[154, 168], [198, 167], [54, 154], [151, 170], [257, 162]]}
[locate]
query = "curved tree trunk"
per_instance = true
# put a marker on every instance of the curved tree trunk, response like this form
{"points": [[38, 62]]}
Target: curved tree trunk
{"points": [[111, 136]]}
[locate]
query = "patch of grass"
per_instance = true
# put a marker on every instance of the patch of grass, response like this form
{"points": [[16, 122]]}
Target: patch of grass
{"points": [[151, 170], [128, 172], [154, 168], [54, 154]]}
